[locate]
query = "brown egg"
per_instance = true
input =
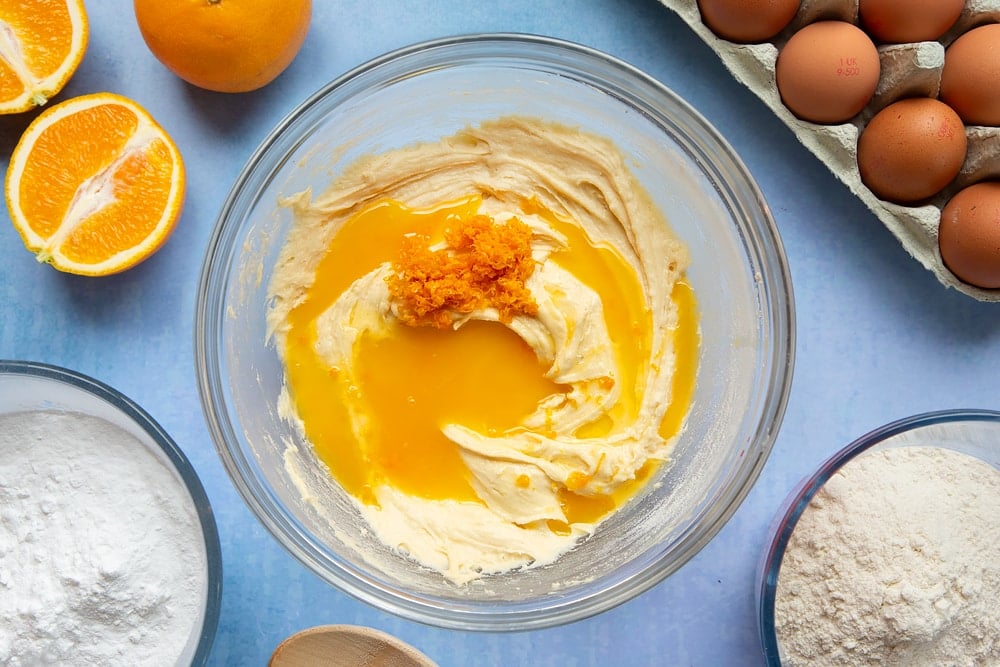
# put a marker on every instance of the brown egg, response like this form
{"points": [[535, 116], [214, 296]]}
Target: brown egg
{"points": [[899, 21], [911, 149], [747, 20], [970, 80], [827, 72], [969, 235]]}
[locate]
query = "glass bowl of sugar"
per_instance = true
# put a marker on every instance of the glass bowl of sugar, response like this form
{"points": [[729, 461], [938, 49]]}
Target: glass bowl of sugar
{"points": [[887, 553], [109, 552]]}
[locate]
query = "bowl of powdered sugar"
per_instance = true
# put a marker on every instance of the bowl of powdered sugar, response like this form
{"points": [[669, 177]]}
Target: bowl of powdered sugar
{"points": [[109, 553], [888, 554]]}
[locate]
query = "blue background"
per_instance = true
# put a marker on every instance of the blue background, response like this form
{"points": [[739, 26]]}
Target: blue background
{"points": [[879, 337]]}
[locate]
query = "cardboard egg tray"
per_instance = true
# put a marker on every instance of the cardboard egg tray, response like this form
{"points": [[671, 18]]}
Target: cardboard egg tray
{"points": [[907, 70]]}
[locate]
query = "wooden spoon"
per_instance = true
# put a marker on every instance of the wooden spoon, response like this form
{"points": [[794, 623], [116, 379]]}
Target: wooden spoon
{"points": [[346, 646]]}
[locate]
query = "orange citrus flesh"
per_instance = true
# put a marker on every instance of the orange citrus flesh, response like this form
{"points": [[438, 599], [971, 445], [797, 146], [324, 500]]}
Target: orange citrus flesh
{"points": [[229, 46], [418, 378], [95, 185], [41, 45]]}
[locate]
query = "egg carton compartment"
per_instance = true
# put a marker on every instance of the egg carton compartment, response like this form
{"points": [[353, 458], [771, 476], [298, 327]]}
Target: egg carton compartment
{"points": [[907, 70]]}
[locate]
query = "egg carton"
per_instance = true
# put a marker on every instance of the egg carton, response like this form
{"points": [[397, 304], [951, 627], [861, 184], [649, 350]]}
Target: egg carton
{"points": [[907, 70]]}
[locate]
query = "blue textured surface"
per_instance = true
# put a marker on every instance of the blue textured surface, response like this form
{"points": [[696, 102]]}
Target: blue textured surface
{"points": [[878, 337]]}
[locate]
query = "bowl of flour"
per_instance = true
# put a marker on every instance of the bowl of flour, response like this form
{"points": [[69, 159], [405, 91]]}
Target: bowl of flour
{"points": [[887, 554], [109, 553]]}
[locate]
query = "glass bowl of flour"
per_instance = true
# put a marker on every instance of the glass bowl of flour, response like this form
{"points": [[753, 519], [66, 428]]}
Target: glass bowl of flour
{"points": [[436, 95], [109, 552], [887, 553]]}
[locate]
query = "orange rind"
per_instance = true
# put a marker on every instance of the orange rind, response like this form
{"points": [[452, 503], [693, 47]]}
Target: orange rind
{"points": [[228, 46]]}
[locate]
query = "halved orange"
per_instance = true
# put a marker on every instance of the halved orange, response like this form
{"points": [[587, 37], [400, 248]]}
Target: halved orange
{"points": [[41, 44], [95, 185]]}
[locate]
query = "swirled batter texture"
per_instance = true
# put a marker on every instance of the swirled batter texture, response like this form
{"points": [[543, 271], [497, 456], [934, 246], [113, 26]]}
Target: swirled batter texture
{"points": [[488, 339]]}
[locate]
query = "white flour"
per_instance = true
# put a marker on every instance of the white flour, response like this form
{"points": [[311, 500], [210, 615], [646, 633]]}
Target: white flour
{"points": [[102, 561], [896, 562]]}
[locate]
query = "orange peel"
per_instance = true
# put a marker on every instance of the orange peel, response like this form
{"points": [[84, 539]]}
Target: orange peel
{"points": [[229, 46]]}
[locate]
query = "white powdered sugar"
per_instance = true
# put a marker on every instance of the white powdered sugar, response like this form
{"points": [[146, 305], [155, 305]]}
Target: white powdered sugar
{"points": [[896, 561], [102, 559]]}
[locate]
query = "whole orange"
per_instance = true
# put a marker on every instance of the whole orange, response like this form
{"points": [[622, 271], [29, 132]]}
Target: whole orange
{"points": [[230, 46]]}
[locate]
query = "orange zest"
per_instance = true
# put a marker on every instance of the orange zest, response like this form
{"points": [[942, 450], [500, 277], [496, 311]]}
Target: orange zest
{"points": [[229, 46], [41, 45], [95, 185], [485, 264]]}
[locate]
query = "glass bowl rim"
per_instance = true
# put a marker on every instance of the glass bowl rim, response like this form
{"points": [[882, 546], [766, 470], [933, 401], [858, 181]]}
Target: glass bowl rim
{"points": [[798, 500], [192, 483], [765, 248]]}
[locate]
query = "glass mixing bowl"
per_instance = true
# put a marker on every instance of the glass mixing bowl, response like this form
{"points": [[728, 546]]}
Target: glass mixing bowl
{"points": [[738, 272], [972, 432], [27, 386]]}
